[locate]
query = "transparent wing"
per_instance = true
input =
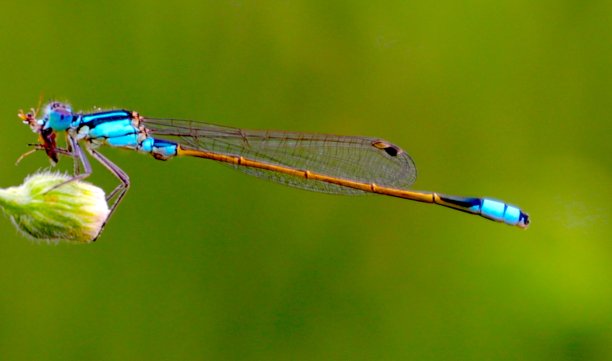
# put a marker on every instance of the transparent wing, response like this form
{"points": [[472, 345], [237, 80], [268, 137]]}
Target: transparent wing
{"points": [[361, 159]]}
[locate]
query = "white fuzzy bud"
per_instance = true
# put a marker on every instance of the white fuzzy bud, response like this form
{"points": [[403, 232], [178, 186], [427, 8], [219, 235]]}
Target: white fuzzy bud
{"points": [[74, 212]]}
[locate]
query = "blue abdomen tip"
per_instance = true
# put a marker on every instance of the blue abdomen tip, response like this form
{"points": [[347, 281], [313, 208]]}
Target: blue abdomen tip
{"points": [[502, 212]]}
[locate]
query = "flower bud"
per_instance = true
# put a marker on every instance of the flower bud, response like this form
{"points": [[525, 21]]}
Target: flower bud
{"points": [[45, 208]]}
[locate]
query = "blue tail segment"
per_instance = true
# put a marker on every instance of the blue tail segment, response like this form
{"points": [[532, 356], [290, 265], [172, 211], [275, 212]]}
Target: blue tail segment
{"points": [[486, 207], [502, 212]]}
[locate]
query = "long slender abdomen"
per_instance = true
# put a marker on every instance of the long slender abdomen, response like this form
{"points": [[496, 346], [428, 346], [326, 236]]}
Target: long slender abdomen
{"points": [[485, 207]]}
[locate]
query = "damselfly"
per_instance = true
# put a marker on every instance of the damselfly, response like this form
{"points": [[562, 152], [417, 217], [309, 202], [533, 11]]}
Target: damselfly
{"points": [[317, 162]]}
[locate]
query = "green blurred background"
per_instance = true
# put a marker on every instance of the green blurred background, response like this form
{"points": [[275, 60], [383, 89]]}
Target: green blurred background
{"points": [[509, 99]]}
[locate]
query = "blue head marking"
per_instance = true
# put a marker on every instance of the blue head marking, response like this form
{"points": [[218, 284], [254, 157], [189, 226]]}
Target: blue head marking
{"points": [[58, 116]]}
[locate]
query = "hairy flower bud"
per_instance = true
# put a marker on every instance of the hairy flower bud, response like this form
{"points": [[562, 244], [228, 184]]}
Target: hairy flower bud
{"points": [[44, 209]]}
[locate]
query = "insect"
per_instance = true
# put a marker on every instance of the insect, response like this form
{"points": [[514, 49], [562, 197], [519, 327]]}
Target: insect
{"points": [[317, 162]]}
